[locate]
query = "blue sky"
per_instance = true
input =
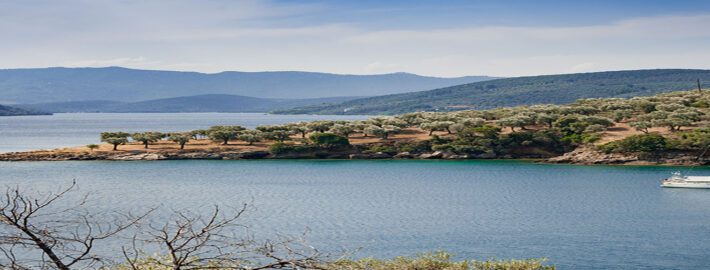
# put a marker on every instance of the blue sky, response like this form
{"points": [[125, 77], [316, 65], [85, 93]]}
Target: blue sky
{"points": [[439, 38]]}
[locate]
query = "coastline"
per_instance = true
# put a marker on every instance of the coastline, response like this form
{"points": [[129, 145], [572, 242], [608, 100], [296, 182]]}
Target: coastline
{"points": [[579, 156]]}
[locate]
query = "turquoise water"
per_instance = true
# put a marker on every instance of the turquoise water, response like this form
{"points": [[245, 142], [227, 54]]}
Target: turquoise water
{"points": [[581, 217]]}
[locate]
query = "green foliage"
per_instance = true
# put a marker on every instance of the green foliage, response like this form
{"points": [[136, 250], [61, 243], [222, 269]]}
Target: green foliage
{"points": [[642, 126], [645, 143], [250, 136], [696, 140], [414, 147], [384, 148], [224, 133], [437, 126], [280, 148], [279, 133], [342, 129], [328, 140], [382, 131], [320, 126], [147, 137], [298, 128], [92, 147], [115, 138], [516, 121], [180, 138]]}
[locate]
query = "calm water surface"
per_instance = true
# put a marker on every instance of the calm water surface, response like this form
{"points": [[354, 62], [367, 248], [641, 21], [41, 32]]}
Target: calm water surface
{"points": [[580, 217], [24, 133]]}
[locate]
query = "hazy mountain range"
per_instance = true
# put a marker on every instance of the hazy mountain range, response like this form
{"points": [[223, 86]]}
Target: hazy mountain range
{"points": [[13, 111], [548, 89], [198, 103], [42, 85], [128, 90]]}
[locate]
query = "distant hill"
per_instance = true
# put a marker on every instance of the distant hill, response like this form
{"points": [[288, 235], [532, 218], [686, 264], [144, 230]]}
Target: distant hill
{"points": [[550, 89], [12, 111], [198, 103], [43, 85]]}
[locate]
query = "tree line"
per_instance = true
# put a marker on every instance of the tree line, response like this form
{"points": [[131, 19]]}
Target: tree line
{"points": [[555, 127]]}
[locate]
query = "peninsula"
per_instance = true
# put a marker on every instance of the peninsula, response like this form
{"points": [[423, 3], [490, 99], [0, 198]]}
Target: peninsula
{"points": [[670, 128]]}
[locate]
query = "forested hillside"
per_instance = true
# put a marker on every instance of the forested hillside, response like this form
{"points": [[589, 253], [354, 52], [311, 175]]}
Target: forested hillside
{"points": [[548, 89]]}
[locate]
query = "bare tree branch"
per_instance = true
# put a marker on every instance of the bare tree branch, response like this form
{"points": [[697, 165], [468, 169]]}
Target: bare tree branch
{"points": [[49, 236]]}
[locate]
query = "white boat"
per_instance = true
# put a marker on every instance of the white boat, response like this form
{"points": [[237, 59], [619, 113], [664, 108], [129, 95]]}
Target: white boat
{"points": [[677, 180]]}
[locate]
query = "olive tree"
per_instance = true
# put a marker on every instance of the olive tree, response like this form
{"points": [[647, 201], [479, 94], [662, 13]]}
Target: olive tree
{"points": [[642, 126], [384, 132], [342, 130], [224, 133], [250, 136], [92, 147], [437, 126], [467, 123], [673, 120], [546, 119], [180, 138], [516, 121], [299, 128], [277, 133], [319, 126], [147, 137], [115, 138]]}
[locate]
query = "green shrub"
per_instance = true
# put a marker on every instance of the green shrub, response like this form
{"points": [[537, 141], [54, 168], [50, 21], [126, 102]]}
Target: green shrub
{"points": [[280, 148], [384, 148], [328, 140], [438, 261], [414, 147], [645, 143]]}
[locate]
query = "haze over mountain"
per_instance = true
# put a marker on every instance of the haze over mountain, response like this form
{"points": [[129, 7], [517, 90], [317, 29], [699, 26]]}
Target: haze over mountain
{"points": [[548, 89], [13, 111], [198, 103], [41, 85]]}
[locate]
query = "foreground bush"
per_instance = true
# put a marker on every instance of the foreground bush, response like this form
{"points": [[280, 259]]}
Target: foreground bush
{"points": [[437, 261]]}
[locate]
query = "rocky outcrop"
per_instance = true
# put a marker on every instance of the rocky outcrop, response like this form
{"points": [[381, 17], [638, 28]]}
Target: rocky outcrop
{"points": [[588, 155], [434, 155], [404, 155]]}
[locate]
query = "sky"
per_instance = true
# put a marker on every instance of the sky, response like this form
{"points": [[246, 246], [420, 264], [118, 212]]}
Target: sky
{"points": [[435, 38]]}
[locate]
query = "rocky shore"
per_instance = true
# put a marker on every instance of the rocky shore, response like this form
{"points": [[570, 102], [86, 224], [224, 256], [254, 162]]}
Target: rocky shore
{"points": [[590, 156], [58, 155], [582, 155]]}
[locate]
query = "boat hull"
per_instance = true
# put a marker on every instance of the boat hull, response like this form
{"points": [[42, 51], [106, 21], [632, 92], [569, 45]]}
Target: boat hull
{"points": [[685, 185]]}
